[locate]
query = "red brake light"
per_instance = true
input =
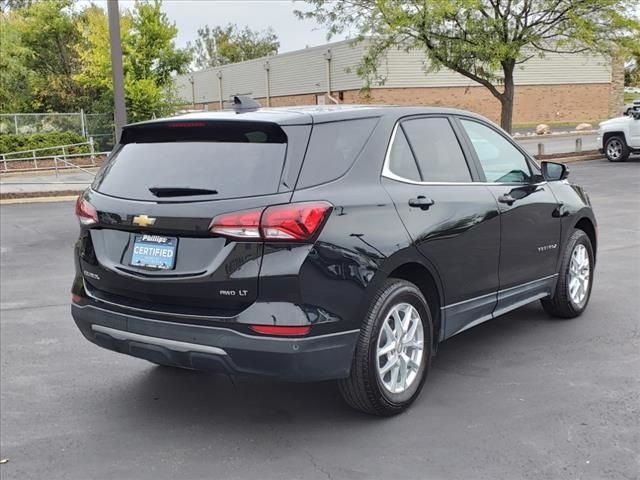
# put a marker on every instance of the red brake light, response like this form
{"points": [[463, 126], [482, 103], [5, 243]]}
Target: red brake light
{"points": [[245, 224], [295, 221], [291, 222], [280, 330], [86, 213], [186, 125]]}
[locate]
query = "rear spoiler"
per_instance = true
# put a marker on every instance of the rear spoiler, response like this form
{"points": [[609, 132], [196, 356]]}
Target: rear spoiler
{"points": [[176, 130]]}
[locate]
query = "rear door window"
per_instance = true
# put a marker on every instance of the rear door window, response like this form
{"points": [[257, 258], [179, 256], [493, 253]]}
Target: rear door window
{"points": [[333, 148], [401, 160], [232, 160], [437, 151]]}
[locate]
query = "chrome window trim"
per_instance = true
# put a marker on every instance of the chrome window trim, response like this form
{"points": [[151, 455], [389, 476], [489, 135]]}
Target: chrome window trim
{"points": [[387, 173]]}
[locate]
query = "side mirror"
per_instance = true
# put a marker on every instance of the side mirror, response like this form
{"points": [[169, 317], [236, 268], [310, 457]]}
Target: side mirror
{"points": [[635, 114], [553, 172]]}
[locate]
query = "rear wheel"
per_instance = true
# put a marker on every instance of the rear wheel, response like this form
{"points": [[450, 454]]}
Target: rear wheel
{"points": [[393, 353], [616, 149], [575, 279]]}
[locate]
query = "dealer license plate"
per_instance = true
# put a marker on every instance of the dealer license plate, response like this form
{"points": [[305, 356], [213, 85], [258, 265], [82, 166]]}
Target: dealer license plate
{"points": [[154, 251]]}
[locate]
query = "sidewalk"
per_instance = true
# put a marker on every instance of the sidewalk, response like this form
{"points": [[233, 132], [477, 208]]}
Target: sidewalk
{"points": [[43, 183], [556, 144]]}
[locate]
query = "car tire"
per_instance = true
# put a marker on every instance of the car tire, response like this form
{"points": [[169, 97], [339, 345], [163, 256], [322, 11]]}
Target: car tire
{"points": [[572, 294], [616, 149], [381, 383]]}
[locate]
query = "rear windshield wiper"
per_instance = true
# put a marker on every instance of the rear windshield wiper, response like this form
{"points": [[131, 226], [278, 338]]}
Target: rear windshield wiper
{"points": [[180, 191]]}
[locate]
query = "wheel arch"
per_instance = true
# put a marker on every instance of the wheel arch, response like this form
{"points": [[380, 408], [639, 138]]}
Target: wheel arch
{"points": [[428, 283], [588, 226], [608, 135]]}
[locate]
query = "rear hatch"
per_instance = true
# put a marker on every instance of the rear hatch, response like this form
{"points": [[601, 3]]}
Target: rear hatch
{"points": [[155, 200]]}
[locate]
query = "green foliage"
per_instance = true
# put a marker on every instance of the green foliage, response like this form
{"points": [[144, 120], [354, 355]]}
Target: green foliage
{"points": [[57, 58], [150, 58], [15, 143], [222, 45], [15, 76], [484, 40], [632, 70], [48, 32]]}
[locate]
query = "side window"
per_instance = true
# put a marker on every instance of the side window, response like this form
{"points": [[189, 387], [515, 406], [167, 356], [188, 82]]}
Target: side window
{"points": [[401, 161], [501, 161], [437, 151], [333, 148]]}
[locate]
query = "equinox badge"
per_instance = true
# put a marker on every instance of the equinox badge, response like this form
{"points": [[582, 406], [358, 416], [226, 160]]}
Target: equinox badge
{"points": [[143, 220]]}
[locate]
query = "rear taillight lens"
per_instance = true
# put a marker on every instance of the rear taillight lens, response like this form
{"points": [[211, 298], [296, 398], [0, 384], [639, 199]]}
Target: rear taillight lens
{"points": [[244, 224], [296, 221], [291, 222], [86, 213]]}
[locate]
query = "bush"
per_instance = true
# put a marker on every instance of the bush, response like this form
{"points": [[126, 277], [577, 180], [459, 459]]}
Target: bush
{"points": [[14, 143]]}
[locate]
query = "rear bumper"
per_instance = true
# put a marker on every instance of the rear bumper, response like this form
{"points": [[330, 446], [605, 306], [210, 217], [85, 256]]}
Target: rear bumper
{"points": [[218, 349]]}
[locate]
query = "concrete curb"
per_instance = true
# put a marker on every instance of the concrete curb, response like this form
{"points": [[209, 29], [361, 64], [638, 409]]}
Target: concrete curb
{"points": [[555, 135], [59, 198]]}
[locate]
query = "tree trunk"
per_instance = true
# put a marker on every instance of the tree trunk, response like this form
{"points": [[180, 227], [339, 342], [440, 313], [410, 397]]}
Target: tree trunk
{"points": [[506, 112], [506, 99]]}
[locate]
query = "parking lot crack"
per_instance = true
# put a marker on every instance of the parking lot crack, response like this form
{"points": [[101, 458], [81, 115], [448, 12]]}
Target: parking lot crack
{"points": [[317, 467]]}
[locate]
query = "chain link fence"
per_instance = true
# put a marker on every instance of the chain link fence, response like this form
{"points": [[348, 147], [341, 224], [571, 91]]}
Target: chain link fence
{"points": [[98, 126]]}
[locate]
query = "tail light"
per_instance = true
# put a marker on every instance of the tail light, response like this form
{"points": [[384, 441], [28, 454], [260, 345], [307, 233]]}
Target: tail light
{"points": [[296, 221], [292, 222], [244, 224], [86, 213]]}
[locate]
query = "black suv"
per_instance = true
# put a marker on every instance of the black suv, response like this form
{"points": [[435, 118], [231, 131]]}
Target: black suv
{"points": [[321, 243]]}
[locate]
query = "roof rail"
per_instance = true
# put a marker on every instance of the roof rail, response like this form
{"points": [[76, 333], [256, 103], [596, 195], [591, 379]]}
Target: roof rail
{"points": [[243, 103]]}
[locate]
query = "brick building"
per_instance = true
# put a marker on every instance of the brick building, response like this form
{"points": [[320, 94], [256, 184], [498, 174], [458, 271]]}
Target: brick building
{"points": [[557, 87]]}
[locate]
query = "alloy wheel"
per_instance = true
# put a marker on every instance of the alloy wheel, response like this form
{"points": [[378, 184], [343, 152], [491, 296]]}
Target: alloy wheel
{"points": [[579, 274], [614, 149], [400, 348]]}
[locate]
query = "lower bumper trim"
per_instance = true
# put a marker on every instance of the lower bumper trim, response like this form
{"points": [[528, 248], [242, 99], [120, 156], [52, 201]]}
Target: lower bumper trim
{"points": [[160, 342], [218, 349]]}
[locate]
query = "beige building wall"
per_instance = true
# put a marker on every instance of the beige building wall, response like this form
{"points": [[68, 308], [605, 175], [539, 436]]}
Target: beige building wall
{"points": [[556, 87], [533, 103]]}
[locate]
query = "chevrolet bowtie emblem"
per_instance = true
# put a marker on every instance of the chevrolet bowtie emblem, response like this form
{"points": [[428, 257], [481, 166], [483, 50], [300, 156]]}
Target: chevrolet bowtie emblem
{"points": [[143, 220]]}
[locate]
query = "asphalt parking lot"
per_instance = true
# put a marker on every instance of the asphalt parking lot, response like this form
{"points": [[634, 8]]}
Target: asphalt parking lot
{"points": [[522, 397]]}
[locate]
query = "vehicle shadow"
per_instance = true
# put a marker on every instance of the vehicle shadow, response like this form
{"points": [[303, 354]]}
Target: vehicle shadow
{"points": [[182, 397]]}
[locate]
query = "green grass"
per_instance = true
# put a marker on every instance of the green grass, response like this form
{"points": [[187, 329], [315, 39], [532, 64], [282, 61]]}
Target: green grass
{"points": [[630, 97]]}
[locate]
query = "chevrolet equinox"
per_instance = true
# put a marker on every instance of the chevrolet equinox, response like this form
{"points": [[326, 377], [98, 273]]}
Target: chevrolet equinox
{"points": [[320, 243]]}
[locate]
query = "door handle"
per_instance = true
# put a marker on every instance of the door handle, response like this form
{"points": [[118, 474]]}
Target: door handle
{"points": [[422, 202], [506, 198]]}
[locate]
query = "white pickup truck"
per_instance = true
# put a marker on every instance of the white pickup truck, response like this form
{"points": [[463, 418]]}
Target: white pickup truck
{"points": [[620, 137]]}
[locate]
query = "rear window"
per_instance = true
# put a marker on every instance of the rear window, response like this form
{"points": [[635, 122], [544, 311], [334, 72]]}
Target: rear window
{"points": [[234, 159]]}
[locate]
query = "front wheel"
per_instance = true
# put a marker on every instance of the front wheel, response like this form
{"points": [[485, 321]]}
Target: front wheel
{"points": [[393, 353], [575, 279], [616, 149]]}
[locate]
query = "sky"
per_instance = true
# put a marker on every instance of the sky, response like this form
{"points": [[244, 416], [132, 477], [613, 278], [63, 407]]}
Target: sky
{"points": [[189, 15]]}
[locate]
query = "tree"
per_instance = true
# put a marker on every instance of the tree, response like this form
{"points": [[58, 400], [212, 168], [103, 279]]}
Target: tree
{"points": [[222, 45], [15, 77], [48, 34], [632, 69], [150, 59], [7, 5], [484, 40]]}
